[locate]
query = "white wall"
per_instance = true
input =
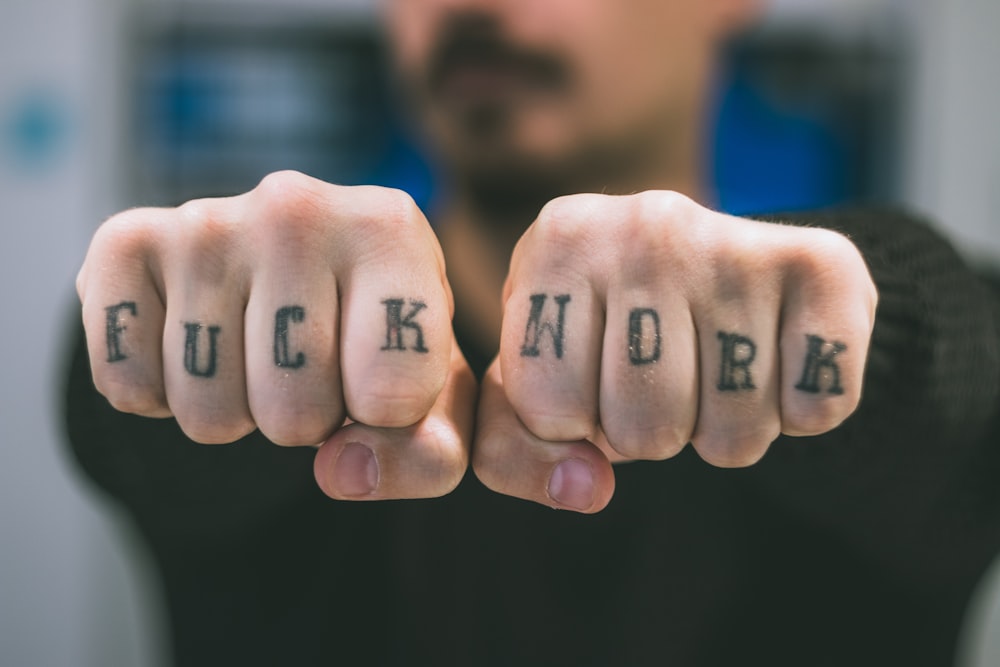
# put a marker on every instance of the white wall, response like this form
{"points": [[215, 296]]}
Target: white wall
{"points": [[68, 595], [953, 163]]}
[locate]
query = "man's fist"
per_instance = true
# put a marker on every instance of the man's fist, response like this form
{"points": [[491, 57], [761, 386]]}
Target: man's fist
{"points": [[634, 325], [289, 309]]}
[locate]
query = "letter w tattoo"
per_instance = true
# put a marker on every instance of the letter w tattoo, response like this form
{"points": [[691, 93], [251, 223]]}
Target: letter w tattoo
{"points": [[533, 332]]}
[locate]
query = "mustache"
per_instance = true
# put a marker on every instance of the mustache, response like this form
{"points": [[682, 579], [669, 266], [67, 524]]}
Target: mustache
{"points": [[476, 39]]}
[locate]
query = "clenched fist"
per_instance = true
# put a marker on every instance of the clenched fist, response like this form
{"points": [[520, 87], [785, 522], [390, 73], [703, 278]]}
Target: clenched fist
{"points": [[310, 311], [634, 325]]}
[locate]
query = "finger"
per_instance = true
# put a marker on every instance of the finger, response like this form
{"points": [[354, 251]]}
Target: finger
{"points": [[509, 459], [292, 349], [396, 316], [123, 314], [739, 412], [292, 316], [425, 460], [203, 361], [828, 317], [553, 326], [649, 373]]}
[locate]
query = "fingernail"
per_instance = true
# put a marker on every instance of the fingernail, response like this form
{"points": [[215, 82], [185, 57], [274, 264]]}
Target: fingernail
{"points": [[356, 471], [572, 484]]}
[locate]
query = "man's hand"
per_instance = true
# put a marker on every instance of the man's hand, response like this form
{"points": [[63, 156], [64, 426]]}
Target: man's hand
{"points": [[634, 325], [291, 309]]}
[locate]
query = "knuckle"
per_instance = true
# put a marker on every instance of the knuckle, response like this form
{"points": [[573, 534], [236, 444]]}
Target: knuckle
{"points": [[807, 418], [133, 398], [288, 206], [392, 406], [205, 242], [203, 226], [647, 444], [567, 222], [388, 209], [384, 219], [564, 425], [731, 450], [487, 458], [825, 254], [129, 232], [283, 188], [297, 426], [657, 207], [215, 431], [448, 457]]}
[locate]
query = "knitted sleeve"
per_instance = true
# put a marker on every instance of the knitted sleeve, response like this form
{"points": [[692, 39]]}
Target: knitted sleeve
{"points": [[912, 479]]}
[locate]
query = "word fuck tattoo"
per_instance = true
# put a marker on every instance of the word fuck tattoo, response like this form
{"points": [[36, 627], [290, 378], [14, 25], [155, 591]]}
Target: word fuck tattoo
{"points": [[282, 357], [191, 356], [396, 322], [738, 353], [818, 361], [114, 329], [535, 327], [636, 354]]}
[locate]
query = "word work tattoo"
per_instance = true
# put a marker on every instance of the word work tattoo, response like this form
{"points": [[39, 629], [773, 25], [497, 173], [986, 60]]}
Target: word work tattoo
{"points": [[193, 361], [396, 323], [820, 365], [114, 329], [536, 327], [282, 357], [738, 352], [637, 355]]}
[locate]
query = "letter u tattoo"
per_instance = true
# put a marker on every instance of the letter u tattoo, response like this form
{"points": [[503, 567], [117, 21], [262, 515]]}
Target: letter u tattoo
{"points": [[191, 356]]}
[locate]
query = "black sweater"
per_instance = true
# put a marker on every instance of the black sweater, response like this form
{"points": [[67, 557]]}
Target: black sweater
{"points": [[858, 547]]}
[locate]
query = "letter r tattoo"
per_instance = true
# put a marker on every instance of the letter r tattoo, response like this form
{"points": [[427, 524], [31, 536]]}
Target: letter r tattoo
{"points": [[738, 353]]}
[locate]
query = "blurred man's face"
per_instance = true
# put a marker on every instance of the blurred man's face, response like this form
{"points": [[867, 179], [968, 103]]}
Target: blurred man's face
{"points": [[505, 85]]}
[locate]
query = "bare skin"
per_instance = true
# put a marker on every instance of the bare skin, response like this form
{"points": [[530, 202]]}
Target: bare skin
{"points": [[628, 323]]}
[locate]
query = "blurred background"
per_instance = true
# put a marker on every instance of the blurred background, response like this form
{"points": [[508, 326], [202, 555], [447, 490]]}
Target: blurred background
{"points": [[106, 104]]}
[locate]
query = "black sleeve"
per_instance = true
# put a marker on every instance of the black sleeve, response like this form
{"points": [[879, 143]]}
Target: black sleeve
{"points": [[183, 495], [912, 479]]}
